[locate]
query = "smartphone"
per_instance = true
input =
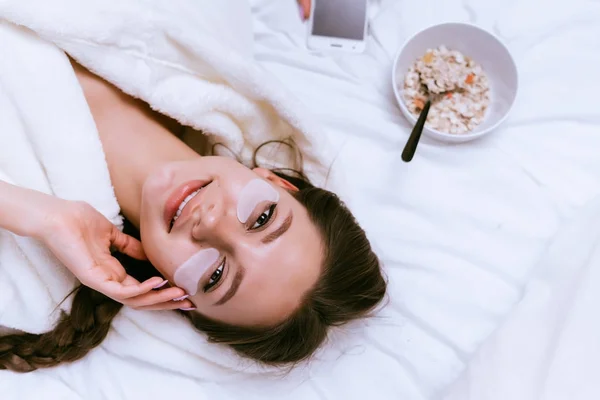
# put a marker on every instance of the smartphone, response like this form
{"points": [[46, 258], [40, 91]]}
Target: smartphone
{"points": [[338, 25]]}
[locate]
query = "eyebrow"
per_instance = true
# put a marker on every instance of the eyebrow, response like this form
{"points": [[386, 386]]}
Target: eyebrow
{"points": [[237, 280], [283, 228], [239, 275]]}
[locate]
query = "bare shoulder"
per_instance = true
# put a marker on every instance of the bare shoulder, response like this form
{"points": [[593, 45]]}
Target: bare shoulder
{"points": [[98, 92], [108, 101]]}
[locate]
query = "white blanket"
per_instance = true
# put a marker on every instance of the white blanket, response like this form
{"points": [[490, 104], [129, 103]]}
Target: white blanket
{"points": [[462, 227], [459, 229], [549, 347]]}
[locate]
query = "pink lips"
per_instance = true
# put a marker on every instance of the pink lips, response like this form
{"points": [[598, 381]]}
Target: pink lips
{"points": [[178, 195]]}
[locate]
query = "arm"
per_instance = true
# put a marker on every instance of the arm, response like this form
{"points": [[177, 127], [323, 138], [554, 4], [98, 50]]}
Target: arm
{"points": [[81, 238], [305, 6], [21, 209]]}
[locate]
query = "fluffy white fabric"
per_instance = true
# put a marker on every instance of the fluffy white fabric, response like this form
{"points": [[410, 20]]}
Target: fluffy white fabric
{"points": [[183, 58], [191, 60], [46, 139]]}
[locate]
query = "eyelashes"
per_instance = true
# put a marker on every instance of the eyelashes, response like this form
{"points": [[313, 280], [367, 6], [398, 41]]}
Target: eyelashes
{"points": [[264, 218], [215, 278]]}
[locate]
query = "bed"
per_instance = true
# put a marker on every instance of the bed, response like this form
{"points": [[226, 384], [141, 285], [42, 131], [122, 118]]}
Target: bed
{"points": [[459, 229]]}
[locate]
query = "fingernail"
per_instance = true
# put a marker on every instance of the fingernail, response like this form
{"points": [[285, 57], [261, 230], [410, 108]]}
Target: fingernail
{"points": [[301, 11], [181, 298], [188, 309], [163, 283]]}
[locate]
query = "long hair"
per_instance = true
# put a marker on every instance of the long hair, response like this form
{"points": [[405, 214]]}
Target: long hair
{"points": [[350, 287]]}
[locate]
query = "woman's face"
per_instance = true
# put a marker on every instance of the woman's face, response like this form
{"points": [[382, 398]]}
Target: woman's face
{"points": [[235, 239]]}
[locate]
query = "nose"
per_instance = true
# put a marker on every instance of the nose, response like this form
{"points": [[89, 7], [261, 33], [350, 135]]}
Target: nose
{"points": [[208, 215], [205, 218]]}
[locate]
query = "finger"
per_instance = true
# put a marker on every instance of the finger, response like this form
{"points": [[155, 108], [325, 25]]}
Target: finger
{"points": [[129, 287], [304, 9], [127, 244], [170, 305], [162, 283], [154, 297]]}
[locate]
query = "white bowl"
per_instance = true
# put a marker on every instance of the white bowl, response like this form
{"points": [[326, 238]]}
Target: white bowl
{"points": [[485, 49]]}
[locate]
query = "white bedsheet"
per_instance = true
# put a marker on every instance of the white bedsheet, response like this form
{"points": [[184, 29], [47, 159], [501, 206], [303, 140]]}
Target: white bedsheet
{"points": [[548, 347], [459, 229], [462, 226]]}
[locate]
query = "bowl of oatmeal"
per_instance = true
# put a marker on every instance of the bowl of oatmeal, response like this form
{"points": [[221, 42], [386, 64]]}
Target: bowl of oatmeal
{"points": [[468, 74]]}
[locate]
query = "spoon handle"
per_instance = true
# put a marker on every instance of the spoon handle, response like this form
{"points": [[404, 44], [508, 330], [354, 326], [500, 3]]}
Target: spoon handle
{"points": [[415, 135]]}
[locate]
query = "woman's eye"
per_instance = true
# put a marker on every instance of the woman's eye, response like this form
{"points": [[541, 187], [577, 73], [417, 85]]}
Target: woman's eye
{"points": [[264, 217], [215, 277]]}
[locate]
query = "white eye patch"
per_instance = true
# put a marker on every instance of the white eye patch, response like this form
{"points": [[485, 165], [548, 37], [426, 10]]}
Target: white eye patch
{"points": [[255, 192], [187, 276]]}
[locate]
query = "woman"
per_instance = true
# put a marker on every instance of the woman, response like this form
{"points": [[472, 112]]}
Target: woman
{"points": [[257, 260]]}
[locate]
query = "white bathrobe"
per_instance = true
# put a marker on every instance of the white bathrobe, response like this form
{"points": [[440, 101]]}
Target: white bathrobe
{"points": [[182, 57]]}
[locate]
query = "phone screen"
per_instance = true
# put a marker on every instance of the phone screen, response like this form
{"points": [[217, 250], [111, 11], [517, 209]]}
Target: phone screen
{"points": [[340, 18]]}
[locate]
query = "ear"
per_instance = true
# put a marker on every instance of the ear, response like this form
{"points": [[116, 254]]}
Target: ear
{"points": [[271, 177]]}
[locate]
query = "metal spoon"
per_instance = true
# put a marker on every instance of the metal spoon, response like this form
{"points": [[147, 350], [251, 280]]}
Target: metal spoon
{"points": [[415, 135]]}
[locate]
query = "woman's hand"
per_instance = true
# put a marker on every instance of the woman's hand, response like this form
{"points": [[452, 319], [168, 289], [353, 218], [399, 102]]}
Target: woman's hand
{"points": [[304, 9], [82, 238]]}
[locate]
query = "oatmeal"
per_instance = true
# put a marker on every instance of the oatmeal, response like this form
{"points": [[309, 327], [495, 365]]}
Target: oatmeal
{"points": [[458, 86]]}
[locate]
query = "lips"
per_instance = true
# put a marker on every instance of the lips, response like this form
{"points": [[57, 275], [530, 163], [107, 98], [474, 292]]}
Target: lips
{"points": [[178, 196]]}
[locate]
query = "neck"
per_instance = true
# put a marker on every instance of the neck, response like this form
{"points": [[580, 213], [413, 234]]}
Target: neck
{"points": [[136, 142], [135, 139]]}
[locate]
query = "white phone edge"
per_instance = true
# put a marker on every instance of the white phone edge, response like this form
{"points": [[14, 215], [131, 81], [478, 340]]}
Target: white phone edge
{"points": [[328, 43]]}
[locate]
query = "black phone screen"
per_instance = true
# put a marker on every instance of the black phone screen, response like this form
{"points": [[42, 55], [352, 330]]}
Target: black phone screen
{"points": [[343, 19]]}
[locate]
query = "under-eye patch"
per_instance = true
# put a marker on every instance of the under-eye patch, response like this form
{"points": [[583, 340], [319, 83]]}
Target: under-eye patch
{"points": [[188, 275], [255, 192]]}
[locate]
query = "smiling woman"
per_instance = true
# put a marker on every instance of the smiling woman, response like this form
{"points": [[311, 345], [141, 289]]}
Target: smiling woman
{"points": [[258, 260], [253, 221]]}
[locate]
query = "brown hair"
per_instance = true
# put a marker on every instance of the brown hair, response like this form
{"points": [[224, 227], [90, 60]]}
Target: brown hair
{"points": [[350, 287]]}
